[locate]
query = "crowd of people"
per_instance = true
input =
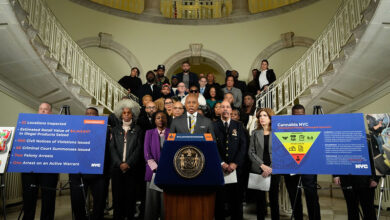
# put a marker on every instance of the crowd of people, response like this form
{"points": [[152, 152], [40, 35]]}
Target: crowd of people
{"points": [[185, 104]]}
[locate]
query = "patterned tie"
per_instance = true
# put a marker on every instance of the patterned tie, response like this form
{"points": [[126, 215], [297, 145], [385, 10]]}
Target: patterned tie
{"points": [[192, 124]]}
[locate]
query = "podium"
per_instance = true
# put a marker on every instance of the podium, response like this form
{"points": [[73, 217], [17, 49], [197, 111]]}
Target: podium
{"points": [[189, 172]]}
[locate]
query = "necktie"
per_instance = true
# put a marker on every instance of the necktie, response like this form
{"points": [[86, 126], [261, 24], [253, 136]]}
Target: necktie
{"points": [[226, 128], [192, 124]]}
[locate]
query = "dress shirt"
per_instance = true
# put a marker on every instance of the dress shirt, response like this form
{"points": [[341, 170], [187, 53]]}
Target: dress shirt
{"points": [[263, 78]]}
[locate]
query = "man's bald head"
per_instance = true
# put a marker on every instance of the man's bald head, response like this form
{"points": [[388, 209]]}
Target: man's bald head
{"points": [[192, 103], [44, 108]]}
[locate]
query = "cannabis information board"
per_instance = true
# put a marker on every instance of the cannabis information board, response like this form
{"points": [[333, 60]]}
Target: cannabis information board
{"points": [[59, 144], [320, 144]]}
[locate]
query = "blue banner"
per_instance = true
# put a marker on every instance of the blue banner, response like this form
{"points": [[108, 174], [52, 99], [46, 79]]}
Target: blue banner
{"points": [[320, 144], [59, 144]]}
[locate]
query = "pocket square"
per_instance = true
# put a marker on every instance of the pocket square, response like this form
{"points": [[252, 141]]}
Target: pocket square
{"points": [[202, 126]]}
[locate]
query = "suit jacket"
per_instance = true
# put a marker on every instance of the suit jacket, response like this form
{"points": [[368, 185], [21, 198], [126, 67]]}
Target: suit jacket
{"points": [[152, 149], [203, 125], [146, 90], [240, 85], [133, 146], [231, 146], [256, 150], [193, 78], [144, 122], [270, 77]]}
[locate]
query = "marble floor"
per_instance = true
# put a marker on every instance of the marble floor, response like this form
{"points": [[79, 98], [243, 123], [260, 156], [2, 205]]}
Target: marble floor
{"points": [[331, 209]]}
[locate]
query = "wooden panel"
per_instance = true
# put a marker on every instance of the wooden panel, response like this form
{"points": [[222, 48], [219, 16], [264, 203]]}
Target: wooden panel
{"points": [[188, 206]]}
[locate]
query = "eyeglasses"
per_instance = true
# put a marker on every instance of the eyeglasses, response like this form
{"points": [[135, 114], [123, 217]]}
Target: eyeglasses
{"points": [[167, 103], [193, 91], [177, 108]]}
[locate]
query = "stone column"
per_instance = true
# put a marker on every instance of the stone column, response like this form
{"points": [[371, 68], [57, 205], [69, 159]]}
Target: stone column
{"points": [[152, 7], [240, 7]]}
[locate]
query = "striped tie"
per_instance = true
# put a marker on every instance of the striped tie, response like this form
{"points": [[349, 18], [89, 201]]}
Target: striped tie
{"points": [[192, 124]]}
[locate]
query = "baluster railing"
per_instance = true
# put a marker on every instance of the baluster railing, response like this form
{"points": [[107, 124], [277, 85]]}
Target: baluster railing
{"points": [[70, 56], [316, 59]]}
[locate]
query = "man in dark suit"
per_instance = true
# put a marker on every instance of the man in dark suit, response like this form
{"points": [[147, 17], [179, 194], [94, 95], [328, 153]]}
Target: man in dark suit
{"points": [[95, 182], [309, 183], [145, 120], [231, 143], [31, 182], [191, 122], [149, 88], [186, 76]]}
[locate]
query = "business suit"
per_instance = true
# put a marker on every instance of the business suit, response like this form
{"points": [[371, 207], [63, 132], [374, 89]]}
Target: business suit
{"points": [[154, 199], [146, 89], [97, 183], [30, 184], [124, 183], [202, 125], [193, 79], [357, 190], [256, 153], [232, 149]]}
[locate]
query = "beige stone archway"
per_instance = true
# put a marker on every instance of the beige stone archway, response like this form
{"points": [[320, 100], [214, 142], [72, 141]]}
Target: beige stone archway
{"points": [[287, 40], [194, 54], [105, 40]]}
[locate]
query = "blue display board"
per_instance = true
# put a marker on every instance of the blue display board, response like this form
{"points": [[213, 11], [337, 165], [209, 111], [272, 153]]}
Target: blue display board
{"points": [[320, 144], [59, 144]]}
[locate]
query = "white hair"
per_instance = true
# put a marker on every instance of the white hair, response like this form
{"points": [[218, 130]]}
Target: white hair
{"points": [[127, 103]]}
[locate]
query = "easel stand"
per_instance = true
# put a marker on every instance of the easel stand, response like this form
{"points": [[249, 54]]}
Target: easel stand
{"points": [[382, 189], [2, 189]]}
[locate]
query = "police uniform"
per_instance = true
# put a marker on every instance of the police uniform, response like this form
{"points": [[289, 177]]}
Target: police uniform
{"points": [[231, 143]]}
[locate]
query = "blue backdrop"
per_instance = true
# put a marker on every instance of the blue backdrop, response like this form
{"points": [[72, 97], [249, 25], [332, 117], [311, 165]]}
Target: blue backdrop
{"points": [[59, 144], [320, 144]]}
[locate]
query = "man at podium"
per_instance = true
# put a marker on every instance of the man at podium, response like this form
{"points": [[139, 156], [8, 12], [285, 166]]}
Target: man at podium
{"points": [[191, 122]]}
